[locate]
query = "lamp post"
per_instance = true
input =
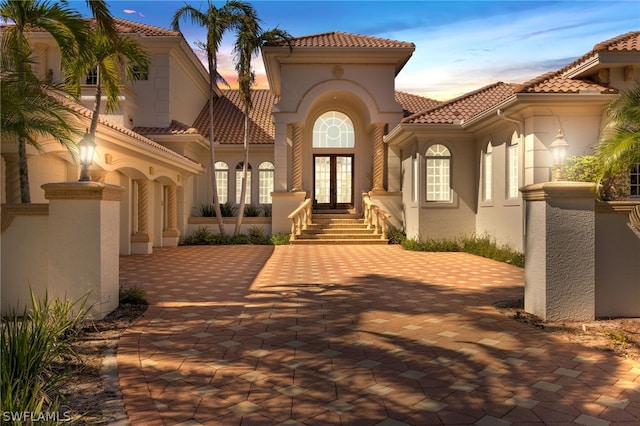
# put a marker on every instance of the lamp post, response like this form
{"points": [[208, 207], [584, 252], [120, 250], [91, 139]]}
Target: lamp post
{"points": [[87, 148], [559, 149]]}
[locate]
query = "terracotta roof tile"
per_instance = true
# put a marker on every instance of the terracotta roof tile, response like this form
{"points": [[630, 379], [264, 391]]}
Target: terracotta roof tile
{"points": [[341, 39], [628, 42], [176, 128], [555, 82], [464, 107], [229, 118], [412, 104], [127, 27]]}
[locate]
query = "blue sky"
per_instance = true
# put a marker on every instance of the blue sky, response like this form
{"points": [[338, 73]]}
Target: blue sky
{"points": [[460, 45]]}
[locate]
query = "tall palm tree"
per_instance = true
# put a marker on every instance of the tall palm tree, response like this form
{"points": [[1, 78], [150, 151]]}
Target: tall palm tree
{"points": [[619, 148], [66, 27], [217, 21], [117, 60], [250, 39]]}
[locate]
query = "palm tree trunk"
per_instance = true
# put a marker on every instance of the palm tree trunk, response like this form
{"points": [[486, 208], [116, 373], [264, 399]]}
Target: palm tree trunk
{"points": [[25, 193], [245, 166], [212, 157]]}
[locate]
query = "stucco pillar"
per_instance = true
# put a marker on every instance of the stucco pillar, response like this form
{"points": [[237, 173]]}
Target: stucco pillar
{"points": [[84, 244], [296, 158], [171, 234], [378, 157], [141, 241], [11, 178], [560, 250]]}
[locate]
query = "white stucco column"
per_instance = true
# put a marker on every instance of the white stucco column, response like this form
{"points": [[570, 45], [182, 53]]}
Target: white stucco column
{"points": [[560, 250], [171, 234], [141, 240], [84, 244], [11, 178], [296, 158], [378, 156]]}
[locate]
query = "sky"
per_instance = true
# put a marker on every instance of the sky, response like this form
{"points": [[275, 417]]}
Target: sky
{"points": [[461, 46]]}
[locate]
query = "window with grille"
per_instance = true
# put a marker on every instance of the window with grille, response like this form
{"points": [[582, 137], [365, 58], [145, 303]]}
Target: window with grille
{"points": [[635, 181], [333, 129], [247, 197], [487, 174], [266, 177], [513, 171], [438, 169], [222, 181]]}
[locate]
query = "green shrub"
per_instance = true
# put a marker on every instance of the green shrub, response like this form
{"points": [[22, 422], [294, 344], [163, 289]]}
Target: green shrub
{"points": [[206, 210], [256, 235], [251, 210], [396, 235], [228, 210], [279, 239], [484, 246], [201, 236], [266, 210], [133, 296], [588, 168], [31, 346]]}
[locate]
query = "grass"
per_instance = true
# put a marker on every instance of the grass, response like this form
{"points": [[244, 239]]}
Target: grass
{"points": [[133, 296], [31, 347], [484, 246]]}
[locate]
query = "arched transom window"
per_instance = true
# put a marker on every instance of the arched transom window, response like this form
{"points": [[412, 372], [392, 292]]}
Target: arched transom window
{"points": [[438, 173], [333, 129]]}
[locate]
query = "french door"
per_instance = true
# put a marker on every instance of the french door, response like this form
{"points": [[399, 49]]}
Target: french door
{"points": [[333, 181]]}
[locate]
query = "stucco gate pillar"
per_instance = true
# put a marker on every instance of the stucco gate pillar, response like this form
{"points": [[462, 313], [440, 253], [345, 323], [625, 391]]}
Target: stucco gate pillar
{"points": [[560, 250], [84, 243]]}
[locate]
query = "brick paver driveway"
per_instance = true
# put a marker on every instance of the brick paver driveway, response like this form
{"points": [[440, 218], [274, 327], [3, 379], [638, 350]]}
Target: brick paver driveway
{"points": [[351, 335]]}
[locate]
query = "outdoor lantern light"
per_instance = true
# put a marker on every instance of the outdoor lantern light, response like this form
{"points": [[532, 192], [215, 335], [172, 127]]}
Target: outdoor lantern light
{"points": [[87, 148], [559, 149]]}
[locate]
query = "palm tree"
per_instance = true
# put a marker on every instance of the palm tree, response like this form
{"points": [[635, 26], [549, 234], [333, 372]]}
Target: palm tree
{"points": [[619, 148], [69, 31], [31, 108], [116, 60], [249, 40], [217, 21]]}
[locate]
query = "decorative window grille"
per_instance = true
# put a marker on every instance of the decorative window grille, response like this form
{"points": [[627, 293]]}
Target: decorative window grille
{"points": [[266, 177], [247, 197], [513, 168], [222, 181], [438, 173], [487, 178], [333, 129]]}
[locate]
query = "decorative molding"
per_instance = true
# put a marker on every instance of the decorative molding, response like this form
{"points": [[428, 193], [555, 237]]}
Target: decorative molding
{"points": [[82, 191], [550, 190], [626, 206], [10, 211], [198, 220], [337, 71]]}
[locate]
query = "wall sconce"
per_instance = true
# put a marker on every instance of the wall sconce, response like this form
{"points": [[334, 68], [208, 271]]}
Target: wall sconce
{"points": [[87, 149], [559, 149]]}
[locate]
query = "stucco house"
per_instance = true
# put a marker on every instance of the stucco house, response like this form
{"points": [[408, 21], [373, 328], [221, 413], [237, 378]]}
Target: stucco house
{"points": [[330, 128]]}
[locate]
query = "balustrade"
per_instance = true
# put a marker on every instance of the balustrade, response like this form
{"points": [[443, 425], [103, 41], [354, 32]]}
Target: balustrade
{"points": [[300, 218], [375, 217]]}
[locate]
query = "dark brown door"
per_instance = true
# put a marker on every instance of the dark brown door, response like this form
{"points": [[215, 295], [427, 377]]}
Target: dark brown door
{"points": [[333, 181]]}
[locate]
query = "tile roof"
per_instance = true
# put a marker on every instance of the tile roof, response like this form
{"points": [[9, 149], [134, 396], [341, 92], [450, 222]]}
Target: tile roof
{"points": [[464, 107], [125, 27], [341, 39], [229, 118], [628, 42], [412, 104], [175, 128], [555, 82]]}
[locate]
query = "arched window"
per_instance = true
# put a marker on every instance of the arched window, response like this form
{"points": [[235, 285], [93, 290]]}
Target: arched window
{"points": [[221, 170], [333, 129], [487, 173], [438, 173], [247, 197], [513, 170], [265, 182]]}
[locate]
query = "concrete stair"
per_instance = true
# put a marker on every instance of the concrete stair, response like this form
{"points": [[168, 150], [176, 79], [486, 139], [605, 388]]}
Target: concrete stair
{"points": [[338, 228]]}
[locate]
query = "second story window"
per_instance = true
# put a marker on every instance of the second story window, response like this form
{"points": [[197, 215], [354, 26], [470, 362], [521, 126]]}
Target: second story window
{"points": [[92, 77]]}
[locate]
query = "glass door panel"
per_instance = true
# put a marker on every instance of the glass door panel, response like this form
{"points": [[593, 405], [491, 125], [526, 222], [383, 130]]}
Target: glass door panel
{"points": [[322, 179], [333, 181]]}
